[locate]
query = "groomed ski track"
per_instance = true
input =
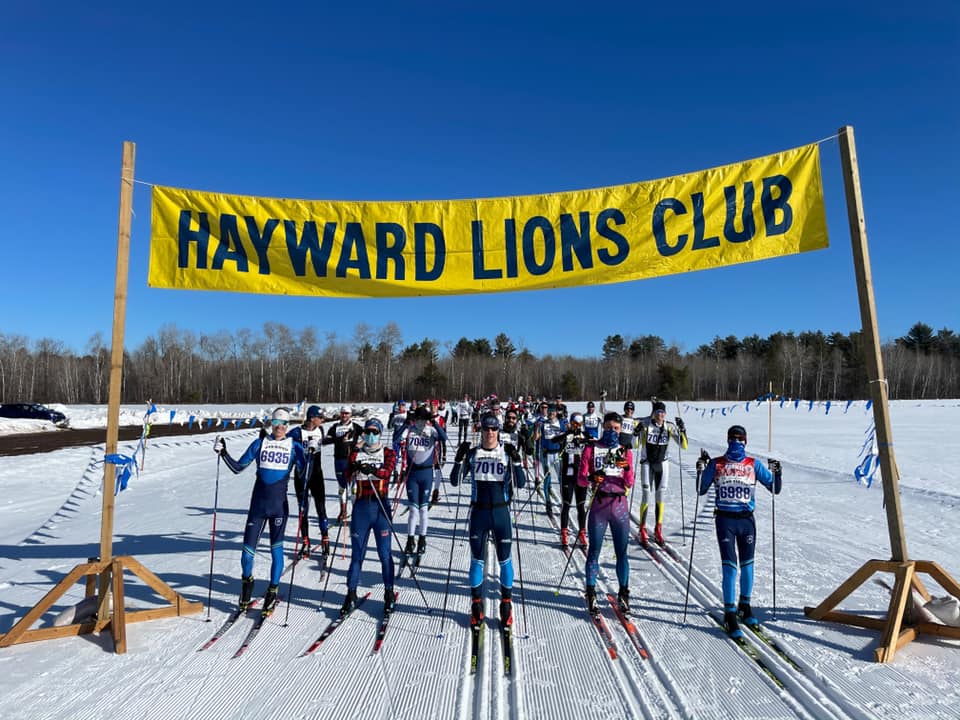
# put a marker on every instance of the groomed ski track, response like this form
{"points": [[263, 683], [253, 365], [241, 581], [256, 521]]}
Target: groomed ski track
{"points": [[561, 668]]}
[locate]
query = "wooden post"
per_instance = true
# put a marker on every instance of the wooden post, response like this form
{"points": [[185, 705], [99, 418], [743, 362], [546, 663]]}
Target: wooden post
{"points": [[107, 572], [898, 628], [116, 372], [871, 338]]}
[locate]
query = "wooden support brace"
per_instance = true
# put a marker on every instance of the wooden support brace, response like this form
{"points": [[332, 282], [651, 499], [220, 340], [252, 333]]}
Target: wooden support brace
{"points": [[118, 624], [898, 628]]}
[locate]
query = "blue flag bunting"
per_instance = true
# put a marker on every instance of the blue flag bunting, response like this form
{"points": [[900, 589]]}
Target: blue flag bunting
{"points": [[124, 464]]}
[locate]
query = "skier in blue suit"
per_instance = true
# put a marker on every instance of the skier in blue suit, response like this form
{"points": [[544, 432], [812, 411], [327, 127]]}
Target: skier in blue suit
{"points": [[735, 476], [275, 455]]}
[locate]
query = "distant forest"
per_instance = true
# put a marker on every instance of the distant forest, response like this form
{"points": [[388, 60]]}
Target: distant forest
{"points": [[280, 364]]}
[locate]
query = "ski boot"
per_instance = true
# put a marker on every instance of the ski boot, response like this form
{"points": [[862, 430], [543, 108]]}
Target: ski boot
{"points": [[476, 611], [745, 613], [644, 538], [506, 612], [411, 547], [435, 498], [623, 599], [421, 547], [582, 538], [731, 625], [325, 544], [658, 533], [304, 549], [349, 602], [591, 595], [270, 600], [549, 506], [563, 538], [389, 601], [246, 593]]}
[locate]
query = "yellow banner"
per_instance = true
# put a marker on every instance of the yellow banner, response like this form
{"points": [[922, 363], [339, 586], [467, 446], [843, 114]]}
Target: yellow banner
{"points": [[733, 214]]}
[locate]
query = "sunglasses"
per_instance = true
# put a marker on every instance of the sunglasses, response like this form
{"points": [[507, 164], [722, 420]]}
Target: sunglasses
{"points": [[372, 432], [277, 423], [489, 429]]}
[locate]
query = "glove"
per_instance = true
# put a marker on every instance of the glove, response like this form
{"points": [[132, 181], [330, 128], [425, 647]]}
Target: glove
{"points": [[369, 469], [603, 393], [219, 446], [512, 452], [774, 466], [702, 460], [462, 452], [313, 444], [680, 426]]}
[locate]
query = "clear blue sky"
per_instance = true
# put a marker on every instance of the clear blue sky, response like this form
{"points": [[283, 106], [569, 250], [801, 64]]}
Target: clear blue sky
{"points": [[433, 100]]}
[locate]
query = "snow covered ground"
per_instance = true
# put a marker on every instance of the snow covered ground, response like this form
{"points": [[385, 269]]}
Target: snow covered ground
{"points": [[826, 527]]}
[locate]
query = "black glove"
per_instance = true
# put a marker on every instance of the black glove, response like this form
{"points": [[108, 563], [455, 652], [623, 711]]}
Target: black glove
{"points": [[603, 393], [512, 452], [774, 466], [702, 460], [462, 452], [680, 426]]}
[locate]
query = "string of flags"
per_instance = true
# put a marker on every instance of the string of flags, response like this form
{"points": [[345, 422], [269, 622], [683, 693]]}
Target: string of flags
{"points": [[869, 453]]}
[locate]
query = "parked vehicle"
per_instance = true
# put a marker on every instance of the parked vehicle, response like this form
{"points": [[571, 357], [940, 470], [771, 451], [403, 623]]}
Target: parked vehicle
{"points": [[33, 411]]}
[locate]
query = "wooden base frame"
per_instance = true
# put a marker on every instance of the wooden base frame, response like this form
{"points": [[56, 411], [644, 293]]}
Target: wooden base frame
{"points": [[110, 573], [899, 627]]}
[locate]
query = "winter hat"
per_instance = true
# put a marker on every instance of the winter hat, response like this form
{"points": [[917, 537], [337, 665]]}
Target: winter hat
{"points": [[346, 409], [313, 411], [422, 413], [576, 418], [281, 414], [658, 406], [737, 432], [373, 424]]}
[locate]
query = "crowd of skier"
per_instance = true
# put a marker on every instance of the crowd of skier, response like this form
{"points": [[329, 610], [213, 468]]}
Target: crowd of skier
{"points": [[588, 462]]}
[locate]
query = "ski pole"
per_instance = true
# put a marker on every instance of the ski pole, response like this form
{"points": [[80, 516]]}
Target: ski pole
{"points": [[683, 522], [213, 536], [693, 540], [570, 556], [453, 544], [333, 556], [773, 511], [413, 570], [302, 521], [523, 593]]}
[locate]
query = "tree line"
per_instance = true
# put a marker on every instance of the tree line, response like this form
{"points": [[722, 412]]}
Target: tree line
{"points": [[279, 363]]}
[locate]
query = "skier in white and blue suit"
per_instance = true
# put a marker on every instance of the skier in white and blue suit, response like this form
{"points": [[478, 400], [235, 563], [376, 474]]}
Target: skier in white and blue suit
{"points": [[735, 476], [275, 455], [420, 448], [494, 470]]}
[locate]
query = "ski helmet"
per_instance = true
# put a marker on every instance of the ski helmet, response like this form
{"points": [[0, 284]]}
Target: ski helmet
{"points": [[373, 424], [490, 422], [737, 432]]}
